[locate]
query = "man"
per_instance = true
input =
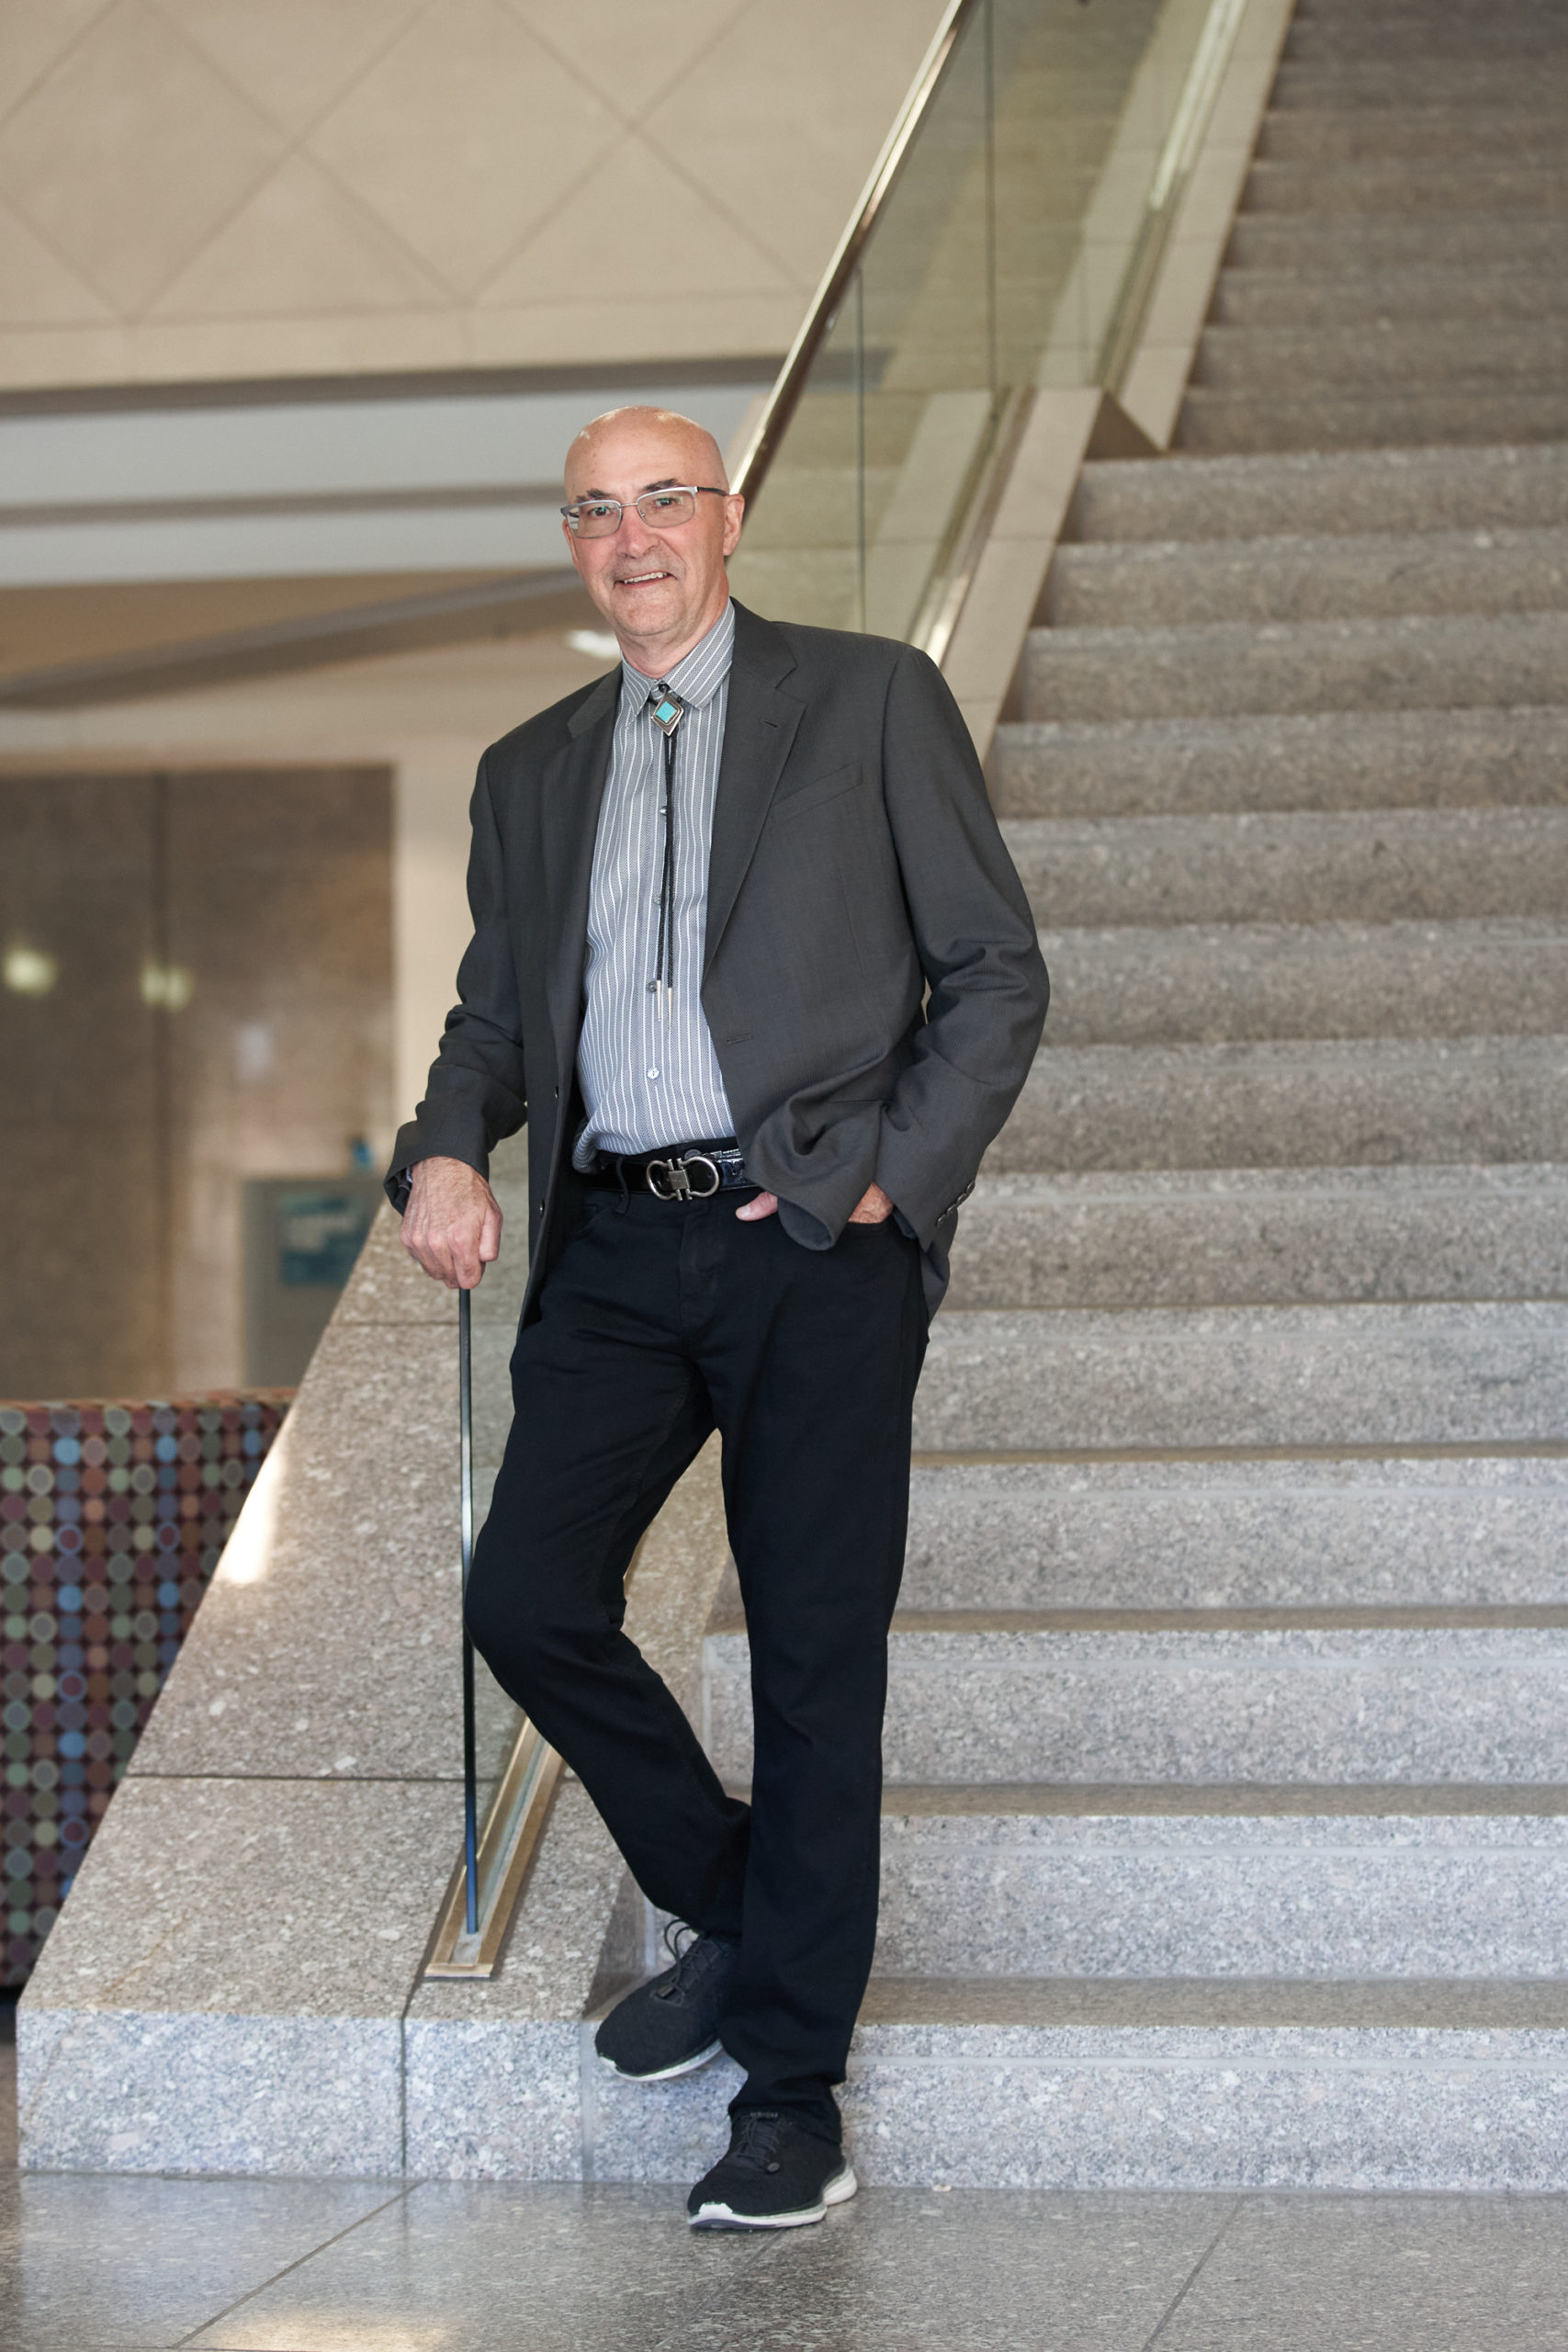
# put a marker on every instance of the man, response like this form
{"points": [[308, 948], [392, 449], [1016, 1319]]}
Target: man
{"points": [[710, 896]]}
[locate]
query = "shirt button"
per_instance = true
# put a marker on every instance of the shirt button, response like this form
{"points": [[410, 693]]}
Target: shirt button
{"points": [[653, 1073]]}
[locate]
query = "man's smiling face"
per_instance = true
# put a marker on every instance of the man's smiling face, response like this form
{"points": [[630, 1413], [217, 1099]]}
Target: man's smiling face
{"points": [[660, 591]]}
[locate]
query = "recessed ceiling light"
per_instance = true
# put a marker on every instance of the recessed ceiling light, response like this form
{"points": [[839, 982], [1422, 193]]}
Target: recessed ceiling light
{"points": [[29, 971]]}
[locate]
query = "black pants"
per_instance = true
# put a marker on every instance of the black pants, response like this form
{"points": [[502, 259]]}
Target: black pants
{"points": [[660, 1322]]}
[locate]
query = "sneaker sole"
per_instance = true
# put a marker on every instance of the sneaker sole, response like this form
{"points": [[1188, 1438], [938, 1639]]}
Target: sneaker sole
{"points": [[666, 2073], [838, 2191]]}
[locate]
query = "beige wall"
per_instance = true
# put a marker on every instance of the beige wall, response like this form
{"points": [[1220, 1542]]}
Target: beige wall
{"points": [[219, 189]]}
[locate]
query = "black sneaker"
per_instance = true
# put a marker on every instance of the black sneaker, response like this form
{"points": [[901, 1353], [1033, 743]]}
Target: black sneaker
{"points": [[670, 2026], [777, 2175]]}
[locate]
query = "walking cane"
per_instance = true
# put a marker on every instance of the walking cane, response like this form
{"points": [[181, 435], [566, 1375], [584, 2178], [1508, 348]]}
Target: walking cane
{"points": [[465, 1477]]}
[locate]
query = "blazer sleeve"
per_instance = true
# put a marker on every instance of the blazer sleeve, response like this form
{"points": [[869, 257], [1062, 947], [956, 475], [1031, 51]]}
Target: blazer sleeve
{"points": [[975, 935], [477, 1092]]}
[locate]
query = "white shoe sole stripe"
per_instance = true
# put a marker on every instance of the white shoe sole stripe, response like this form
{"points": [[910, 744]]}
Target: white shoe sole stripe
{"points": [[838, 2191], [667, 2074]]}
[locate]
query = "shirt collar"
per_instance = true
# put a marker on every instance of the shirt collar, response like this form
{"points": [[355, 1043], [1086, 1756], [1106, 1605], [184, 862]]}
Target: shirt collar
{"points": [[697, 676]]}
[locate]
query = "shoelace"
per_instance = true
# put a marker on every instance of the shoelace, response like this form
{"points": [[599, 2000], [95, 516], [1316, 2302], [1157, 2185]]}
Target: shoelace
{"points": [[755, 2144], [693, 1960]]}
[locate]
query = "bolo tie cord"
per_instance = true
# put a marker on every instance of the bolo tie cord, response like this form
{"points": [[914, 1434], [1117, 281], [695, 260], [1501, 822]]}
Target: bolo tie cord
{"points": [[668, 712]]}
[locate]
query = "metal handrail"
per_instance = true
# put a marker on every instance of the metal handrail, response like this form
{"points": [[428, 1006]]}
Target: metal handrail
{"points": [[784, 399]]}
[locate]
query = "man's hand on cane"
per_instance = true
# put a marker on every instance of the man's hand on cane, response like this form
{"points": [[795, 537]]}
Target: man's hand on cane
{"points": [[452, 1224]]}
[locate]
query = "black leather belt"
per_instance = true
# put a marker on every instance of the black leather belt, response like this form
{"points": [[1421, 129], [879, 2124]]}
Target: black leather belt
{"points": [[678, 1172]]}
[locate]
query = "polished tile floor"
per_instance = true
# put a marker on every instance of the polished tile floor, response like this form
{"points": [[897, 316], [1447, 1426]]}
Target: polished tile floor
{"points": [[95, 2264]]}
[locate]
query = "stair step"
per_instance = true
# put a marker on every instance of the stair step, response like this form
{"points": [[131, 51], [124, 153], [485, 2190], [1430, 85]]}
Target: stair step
{"points": [[1458, 134], [1438, 662], [1467, 1373], [1239, 1530], [1220, 1883], [1212, 423], [1442, 356], [1333, 186], [1311, 495], [1414, 42], [1485, 241], [1332, 299], [1325, 761], [1261, 1237], [1362, 1102], [1387, 1703], [1380, 575], [1324, 84], [1226, 983], [1136, 2082], [1294, 866]]}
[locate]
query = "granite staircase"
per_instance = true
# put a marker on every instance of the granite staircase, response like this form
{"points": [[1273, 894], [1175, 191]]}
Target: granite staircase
{"points": [[1227, 1806]]}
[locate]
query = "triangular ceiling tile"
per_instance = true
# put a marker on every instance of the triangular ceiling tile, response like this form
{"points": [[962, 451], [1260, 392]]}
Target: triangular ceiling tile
{"points": [[790, 172], [37, 288], [462, 135], [33, 33], [584, 252], [293, 57], [631, 54], [300, 245], [130, 154]]}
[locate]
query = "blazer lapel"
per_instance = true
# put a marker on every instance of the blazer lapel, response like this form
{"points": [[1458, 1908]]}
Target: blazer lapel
{"points": [[571, 788], [759, 730]]}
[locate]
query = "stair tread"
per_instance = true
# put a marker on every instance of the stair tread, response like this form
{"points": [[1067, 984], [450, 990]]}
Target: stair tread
{"points": [[1222, 1800], [1200, 1623], [1476, 2004]]}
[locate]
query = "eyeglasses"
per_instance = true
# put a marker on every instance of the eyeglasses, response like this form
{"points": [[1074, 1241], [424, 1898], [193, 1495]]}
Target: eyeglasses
{"points": [[662, 510]]}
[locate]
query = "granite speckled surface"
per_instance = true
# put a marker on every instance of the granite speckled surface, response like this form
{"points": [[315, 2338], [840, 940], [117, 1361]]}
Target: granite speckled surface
{"points": [[1245, 1236], [492, 2068], [388, 1287], [1216, 2107], [1442, 661], [1290, 1103], [1305, 577], [1293, 866], [1238, 1894], [1227, 1376], [1388, 1705], [345, 1645], [1380, 759], [229, 1995], [1224, 982], [1204, 1534]]}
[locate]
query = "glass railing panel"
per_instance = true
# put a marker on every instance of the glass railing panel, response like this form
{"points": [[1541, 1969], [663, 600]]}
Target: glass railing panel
{"points": [[1014, 249]]}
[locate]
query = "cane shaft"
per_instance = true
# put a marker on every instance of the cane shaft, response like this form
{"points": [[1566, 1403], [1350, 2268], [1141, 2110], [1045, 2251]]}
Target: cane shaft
{"points": [[466, 1474]]}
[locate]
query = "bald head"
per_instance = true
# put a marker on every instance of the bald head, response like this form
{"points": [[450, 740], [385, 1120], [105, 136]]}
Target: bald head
{"points": [[660, 585], [694, 453]]}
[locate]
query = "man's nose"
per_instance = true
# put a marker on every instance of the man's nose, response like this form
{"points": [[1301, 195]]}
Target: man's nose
{"points": [[635, 536]]}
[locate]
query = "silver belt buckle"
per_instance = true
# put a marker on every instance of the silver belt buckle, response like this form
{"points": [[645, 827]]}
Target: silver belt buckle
{"points": [[677, 1174]]}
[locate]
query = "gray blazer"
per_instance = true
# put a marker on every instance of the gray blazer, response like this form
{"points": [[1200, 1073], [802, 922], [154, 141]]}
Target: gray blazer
{"points": [[855, 867]]}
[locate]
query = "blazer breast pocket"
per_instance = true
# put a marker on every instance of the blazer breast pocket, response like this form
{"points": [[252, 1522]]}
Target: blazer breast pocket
{"points": [[799, 802]]}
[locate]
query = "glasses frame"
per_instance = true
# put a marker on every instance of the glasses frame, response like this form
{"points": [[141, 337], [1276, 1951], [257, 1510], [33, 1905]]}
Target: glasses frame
{"points": [[696, 489]]}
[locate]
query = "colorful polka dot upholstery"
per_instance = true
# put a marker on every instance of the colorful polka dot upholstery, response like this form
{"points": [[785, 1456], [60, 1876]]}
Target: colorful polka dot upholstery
{"points": [[112, 1517]]}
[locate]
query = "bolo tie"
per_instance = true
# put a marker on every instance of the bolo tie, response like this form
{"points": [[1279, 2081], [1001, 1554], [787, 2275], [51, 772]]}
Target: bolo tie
{"points": [[668, 712]]}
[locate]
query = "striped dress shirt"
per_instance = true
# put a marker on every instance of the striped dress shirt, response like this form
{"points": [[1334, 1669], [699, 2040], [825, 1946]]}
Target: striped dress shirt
{"points": [[649, 1075]]}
